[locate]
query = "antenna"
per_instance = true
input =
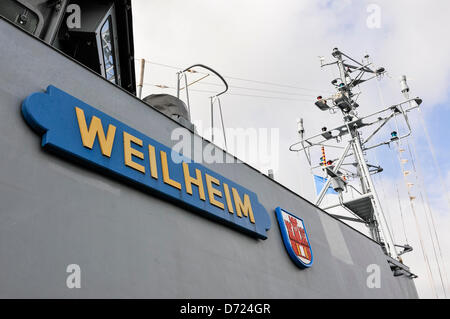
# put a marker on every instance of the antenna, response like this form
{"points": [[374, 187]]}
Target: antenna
{"points": [[341, 172], [404, 86]]}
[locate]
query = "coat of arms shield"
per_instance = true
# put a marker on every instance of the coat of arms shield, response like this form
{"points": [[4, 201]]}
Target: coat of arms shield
{"points": [[295, 238]]}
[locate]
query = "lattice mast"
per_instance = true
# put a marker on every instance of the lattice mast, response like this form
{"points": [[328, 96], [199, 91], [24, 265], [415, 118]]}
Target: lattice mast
{"points": [[366, 208]]}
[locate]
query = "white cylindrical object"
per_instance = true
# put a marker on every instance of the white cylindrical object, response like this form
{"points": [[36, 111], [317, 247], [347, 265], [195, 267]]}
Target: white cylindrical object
{"points": [[141, 78], [403, 85], [300, 128]]}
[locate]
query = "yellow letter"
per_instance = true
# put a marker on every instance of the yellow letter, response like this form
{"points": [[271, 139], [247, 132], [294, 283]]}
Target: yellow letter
{"points": [[213, 191], [188, 180], [228, 198], [95, 128], [152, 155], [165, 171], [128, 151], [245, 208]]}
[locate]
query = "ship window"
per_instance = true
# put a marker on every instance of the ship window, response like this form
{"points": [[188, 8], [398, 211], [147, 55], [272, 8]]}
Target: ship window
{"points": [[109, 64]]}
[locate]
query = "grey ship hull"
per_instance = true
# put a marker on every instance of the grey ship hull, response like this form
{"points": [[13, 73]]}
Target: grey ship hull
{"points": [[130, 244]]}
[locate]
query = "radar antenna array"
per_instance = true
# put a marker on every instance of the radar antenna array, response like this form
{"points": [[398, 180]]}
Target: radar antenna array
{"points": [[365, 208]]}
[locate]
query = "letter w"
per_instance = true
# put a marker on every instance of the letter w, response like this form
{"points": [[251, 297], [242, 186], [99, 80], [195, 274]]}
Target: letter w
{"points": [[95, 128]]}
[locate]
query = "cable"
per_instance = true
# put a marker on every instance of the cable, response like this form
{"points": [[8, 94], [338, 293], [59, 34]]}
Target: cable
{"points": [[430, 233], [274, 84], [419, 233], [430, 213], [425, 256], [269, 97], [238, 78], [160, 64], [401, 216], [399, 202], [380, 95], [162, 86], [433, 155], [255, 89], [445, 188], [380, 181], [388, 215], [427, 218]]}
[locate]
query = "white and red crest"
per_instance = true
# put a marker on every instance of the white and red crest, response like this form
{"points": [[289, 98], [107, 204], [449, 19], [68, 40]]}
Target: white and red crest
{"points": [[295, 238]]}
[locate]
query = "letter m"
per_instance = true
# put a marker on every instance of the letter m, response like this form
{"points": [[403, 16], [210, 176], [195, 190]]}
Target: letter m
{"points": [[95, 129], [243, 208]]}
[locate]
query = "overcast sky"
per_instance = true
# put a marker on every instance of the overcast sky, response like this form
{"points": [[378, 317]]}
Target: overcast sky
{"points": [[279, 41]]}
